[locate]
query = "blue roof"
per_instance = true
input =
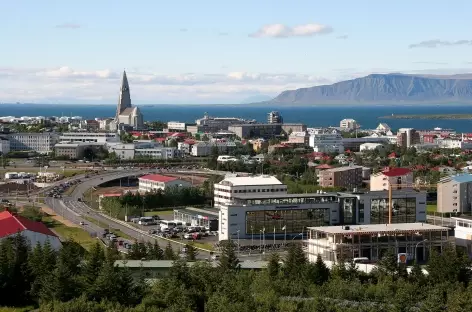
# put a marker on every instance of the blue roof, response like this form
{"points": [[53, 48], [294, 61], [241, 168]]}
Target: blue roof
{"points": [[463, 178]]}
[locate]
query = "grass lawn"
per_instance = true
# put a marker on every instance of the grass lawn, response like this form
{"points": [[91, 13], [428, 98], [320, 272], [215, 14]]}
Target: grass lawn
{"points": [[77, 234], [431, 208], [166, 212], [207, 246]]}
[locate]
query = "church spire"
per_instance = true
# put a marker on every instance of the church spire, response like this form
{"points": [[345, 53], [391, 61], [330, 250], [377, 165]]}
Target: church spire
{"points": [[124, 100]]}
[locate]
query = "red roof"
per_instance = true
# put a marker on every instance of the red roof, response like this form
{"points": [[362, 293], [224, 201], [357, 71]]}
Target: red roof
{"points": [[392, 155], [158, 178], [11, 224], [323, 166], [190, 141], [395, 172], [111, 195], [159, 139]]}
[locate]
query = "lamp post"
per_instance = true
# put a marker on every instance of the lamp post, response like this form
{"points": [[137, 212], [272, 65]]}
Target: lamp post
{"points": [[297, 236], [423, 241]]}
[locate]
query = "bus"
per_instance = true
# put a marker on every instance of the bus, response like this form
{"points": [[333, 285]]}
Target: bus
{"points": [[147, 221], [167, 224]]}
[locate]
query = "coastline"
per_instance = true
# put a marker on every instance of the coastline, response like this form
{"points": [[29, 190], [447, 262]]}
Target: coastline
{"points": [[429, 116]]}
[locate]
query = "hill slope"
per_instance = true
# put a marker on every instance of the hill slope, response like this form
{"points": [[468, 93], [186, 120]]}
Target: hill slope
{"points": [[384, 88]]}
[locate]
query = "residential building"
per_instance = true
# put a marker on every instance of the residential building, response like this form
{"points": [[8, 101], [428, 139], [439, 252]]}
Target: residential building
{"points": [[406, 137], [299, 138], [232, 184], [70, 150], [209, 124], [105, 124], [205, 148], [348, 124], [396, 178], [455, 194], [96, 137], [42, 143], [259, 145], [463, 234], [90, 124], [349, 177], [371, 147], [326, 142], [410, 241], [274, 117], [126, 114], [354, 144], [154, 182], [122, 150], [35, 232], [257, 214], [176, 126], [184, 147], [4, 145], [428, 138]]}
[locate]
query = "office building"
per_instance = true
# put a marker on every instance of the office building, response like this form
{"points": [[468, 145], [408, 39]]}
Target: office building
{"points": [[257, 214], [158, 152], [42, 143], [455, 194], [463, 234], [207, 218], [127, 116], [323, 141], [205, 148], [349, 177], [354, 144], [70, 150], [266, 131], [410, 241], [371, 147], [274, 117], [176, 126], [348, 124], [406, 137], [87, 137], [209, 124], [154, 182], [225, 190], [4, 145], [396, 178]]}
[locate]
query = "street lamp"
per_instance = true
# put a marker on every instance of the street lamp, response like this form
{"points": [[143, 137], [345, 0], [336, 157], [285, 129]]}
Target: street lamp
{"points": [[297, 235], [423, 241]]}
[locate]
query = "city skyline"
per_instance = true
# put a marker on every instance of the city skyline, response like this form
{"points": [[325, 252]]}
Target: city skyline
{"points": [[217, 53]]}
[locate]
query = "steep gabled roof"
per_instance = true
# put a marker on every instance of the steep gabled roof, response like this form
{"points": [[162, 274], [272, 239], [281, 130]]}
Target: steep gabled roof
{"points": [[11, 224]]}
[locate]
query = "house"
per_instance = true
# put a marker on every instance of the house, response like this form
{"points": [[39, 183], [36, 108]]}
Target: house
{"points": [[397, 178], [383, 127], [154, 182], [35, 232]]}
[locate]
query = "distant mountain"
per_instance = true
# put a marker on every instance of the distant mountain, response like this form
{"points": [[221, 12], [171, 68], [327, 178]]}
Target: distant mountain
{"points": [[256, 98], [385, 88]]}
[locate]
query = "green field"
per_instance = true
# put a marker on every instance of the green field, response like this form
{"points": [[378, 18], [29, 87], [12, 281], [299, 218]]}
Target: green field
{"points": [[77, 234], [431, 208], [23, 309]]}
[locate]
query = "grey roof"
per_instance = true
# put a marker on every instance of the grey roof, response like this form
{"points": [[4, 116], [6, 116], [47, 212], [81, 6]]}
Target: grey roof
{"points": [[274, 196], [124, 100], [168, 264], [379, 228], [213, 213]]}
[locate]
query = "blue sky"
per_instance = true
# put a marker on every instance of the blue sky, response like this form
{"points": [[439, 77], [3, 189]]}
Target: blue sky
{"points": [[219, 51]]}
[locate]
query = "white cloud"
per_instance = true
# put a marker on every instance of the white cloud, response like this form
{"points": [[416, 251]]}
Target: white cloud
{"points": [[283, 31], [68, 85]]}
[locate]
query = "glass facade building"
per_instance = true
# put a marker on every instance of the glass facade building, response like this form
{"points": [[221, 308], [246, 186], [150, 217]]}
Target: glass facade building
{"points": [[403, 210]]}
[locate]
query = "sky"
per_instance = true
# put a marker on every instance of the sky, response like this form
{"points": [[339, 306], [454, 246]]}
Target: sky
{"points": [[218, 52]]}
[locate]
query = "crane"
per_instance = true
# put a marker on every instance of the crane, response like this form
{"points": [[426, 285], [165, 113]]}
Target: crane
{"points": [[409, 185]]}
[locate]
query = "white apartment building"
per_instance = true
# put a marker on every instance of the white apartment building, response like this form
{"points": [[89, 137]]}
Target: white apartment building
{"points": [[225, 190], [105, 124], [463, 234], [122, 151], [98, 137], [4, 146], [452, 143], [326, 142], [42, 143], [348, 124], [371, 147], [183, 147], [175, 125], [154, 182]]}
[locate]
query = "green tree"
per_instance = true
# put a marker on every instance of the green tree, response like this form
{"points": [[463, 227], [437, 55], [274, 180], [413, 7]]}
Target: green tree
{"points": [[93, 264], [191, 252], [228, 261], [295, 262], [169, 252], [318, 272], [274, 267]]}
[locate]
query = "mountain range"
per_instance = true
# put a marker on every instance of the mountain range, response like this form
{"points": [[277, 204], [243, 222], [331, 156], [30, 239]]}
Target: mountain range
{"points": [[384, 89]]}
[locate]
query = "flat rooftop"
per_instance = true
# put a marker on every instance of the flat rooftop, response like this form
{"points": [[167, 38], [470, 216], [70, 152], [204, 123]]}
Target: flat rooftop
{"points": [[250, 181], [206, 212], [379, 228], [275, 196]]}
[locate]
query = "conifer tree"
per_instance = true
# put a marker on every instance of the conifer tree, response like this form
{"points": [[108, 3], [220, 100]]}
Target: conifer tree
{"points": [[93, 264], [295, 261], [156, 252], [228, 261], [169, 252], [191, 252], [273, 267]]}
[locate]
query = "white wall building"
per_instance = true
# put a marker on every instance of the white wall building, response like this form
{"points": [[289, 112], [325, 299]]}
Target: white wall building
{"points": [[326, 142], [371, 147], [122, 151], [34, 232], [205, 148], [463, 234], [98, 137], [348, 124], [158, 152], [42, 143], [225, 190], [154, 182], [175, 125]]}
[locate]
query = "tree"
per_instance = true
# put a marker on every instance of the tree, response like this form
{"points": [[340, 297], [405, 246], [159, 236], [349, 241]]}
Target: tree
{"points": [[318, 272], [273, 267], [169, 252], [295, 261], [228, 261], [93, 264], [155, 252], [191, 252]]}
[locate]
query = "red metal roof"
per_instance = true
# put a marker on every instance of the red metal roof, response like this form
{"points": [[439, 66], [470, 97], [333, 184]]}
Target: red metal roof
{"points": [[158, 178], [11, 224], [395, 172]]}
